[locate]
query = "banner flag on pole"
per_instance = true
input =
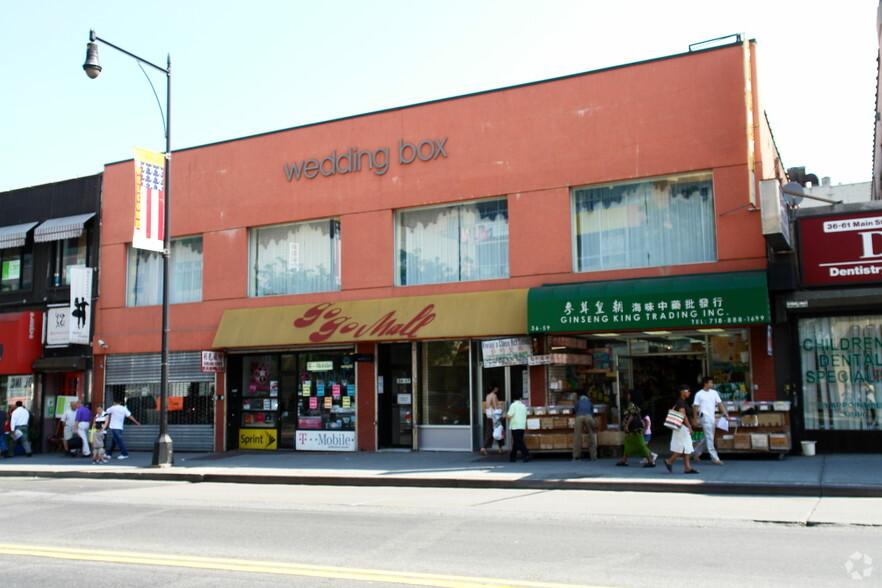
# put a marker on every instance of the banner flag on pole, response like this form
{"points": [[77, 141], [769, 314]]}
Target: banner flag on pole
{"points": [[80, 305], [149, 200]]}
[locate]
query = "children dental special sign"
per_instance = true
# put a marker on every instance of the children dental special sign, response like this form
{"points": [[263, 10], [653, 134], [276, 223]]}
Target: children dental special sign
{"points": [[844, 249]]}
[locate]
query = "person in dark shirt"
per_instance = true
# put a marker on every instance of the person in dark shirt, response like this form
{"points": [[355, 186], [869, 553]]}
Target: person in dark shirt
{"points": [[584, 421]]}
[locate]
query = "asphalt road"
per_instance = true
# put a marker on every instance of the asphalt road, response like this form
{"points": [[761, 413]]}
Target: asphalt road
{"points": [[79, 532]]}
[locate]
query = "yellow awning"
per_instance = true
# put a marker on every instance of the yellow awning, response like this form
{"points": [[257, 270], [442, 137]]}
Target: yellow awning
{"points": [[477, 314]]}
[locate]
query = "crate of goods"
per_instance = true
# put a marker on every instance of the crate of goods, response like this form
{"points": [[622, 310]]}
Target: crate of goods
{"points": [[782, 405], [779, 441], [725, 442], [610, 438], [547, 423], [770, 419], [558, 441], [559, 422], [539, 410], [546, 442], [759, 441], [742, 441], [749, 420], [532, 441]]}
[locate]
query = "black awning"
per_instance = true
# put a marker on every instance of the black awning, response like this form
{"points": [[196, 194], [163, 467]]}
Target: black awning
{"points": [[62, 364]]}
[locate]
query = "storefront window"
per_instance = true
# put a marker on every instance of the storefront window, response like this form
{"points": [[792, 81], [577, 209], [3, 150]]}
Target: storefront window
{"points": [[841, 359], [444, 387], [296, 258], [301, 400], [189, 403], [663, 221], [16, 269], [145, 274], [15, 388], [456, 243]]}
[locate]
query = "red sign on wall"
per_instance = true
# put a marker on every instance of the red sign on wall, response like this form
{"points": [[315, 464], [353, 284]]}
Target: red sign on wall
{"points": [[844, 249]]}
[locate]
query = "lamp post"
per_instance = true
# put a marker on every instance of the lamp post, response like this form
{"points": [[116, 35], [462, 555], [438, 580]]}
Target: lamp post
{"points": [[163, 456]]}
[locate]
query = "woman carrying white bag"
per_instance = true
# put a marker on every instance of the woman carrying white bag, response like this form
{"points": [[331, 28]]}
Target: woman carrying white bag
{"points": [[681, 439]]}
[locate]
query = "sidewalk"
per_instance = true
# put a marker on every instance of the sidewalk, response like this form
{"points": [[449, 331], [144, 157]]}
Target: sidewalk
{"points": [[823, 475]]}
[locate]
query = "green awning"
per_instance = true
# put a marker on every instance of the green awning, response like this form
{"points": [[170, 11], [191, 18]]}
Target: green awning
{"points": [[692, 302]]}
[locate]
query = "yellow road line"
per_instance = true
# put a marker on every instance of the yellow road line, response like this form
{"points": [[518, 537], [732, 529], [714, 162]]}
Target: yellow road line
{"points": [[264, 567]]}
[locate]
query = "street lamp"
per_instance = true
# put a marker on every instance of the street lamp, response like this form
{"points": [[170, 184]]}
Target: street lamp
{"points": [[163, 456]]}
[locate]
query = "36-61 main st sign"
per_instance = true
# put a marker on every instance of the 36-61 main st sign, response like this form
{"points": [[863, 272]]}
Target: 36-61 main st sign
{"points": [[841, 249]]}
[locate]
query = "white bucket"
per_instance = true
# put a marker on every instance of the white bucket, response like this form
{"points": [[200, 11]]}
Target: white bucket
{"points": [[808, 448]]}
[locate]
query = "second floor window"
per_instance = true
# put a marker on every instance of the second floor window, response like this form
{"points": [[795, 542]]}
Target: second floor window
{"points": [[16, 269], [185, 271], [67, 253], [296, 258], [649, 223], [453, 243]]}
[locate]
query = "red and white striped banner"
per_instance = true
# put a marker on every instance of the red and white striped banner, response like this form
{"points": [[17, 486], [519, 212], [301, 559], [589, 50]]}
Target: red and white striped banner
{"points": [[149, 200]]}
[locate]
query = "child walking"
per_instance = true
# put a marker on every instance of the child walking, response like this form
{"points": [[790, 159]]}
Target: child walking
{"points": [[99, 426]]}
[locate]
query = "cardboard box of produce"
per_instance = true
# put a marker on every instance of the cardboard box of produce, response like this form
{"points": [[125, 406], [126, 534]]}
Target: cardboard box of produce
{"points": [[749, 420], [779, 441], [742, 441], [560, 441], [759, 441], [547, 422], [770, 419], [560, 422], [610, 438], [725, 441], [532, 441]]}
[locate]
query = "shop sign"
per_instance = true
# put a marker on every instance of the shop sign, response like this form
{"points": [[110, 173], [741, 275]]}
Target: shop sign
{"points": [[319, 366], [58, 325], [841, 372], [325, 440], [502, 352], [212, 362], [80, 305], [710, 300], [354, 160], [258, 439], [539, 360], [843, 249], [474, 314]]}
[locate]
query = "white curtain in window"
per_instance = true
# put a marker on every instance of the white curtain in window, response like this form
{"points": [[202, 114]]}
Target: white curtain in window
{"points": [[296, 259], [456, 243], [185, 270], [665, 221]]}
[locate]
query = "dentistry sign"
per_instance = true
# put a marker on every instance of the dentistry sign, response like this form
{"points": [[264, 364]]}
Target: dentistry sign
{"points": [[843, 249], [354, 160]]}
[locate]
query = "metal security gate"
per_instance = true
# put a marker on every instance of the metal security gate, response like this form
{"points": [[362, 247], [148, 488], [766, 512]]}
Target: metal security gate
{"points": [[134, 379]]}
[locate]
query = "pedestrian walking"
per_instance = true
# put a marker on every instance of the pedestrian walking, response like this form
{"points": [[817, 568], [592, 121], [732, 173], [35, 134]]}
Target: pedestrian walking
{"points": [[4, 431], [18, 426], [681, 439], [68, 422], [704, 406], [492, 419], [584, 422], [99, 428], [118, 413], [634, 444], [647, 435], [83, 421], [517, 423]]}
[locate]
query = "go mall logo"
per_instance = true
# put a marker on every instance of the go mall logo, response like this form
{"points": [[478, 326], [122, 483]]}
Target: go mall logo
{"points": [[354, 159]]}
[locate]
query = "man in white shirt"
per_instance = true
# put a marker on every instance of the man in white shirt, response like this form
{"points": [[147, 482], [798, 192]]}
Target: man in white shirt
{"points": [[18, 424], [68, 418], [704, 406], [118, 413]]}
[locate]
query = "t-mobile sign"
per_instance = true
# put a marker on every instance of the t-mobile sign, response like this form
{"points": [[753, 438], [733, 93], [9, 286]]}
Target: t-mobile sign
{"points": [[842, 249]]}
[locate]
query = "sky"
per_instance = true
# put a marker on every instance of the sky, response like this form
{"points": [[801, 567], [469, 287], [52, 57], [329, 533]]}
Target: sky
{"points": [[244, 68]]}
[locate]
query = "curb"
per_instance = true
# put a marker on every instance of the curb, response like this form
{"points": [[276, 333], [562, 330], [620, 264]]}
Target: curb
{"points": [[741, 489]]}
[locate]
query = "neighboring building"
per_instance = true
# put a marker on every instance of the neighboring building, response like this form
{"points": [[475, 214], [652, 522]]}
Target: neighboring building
{"points": [[876, 184], [841, 193], [828, 325], [367, 278], [48, 247]]}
